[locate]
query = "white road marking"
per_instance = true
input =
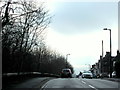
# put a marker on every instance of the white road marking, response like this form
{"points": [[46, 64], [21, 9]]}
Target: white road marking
{"points": [[44, 86], [83, 82], [92, 87]]}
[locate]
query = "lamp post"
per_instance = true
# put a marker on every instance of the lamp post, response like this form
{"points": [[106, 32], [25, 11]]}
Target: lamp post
{"points": [[110, 53], [66, 59]]}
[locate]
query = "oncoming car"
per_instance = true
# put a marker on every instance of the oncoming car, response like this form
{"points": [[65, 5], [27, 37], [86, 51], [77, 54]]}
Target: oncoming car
{"points": [[87, 74], [66, 73]]}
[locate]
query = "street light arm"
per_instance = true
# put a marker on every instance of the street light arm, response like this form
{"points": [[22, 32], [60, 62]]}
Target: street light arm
{"points": [[105, 29], [68, 54]]}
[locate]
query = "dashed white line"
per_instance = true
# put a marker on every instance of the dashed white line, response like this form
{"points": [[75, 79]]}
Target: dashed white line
{"points": [[92, 87], [83, 82]]}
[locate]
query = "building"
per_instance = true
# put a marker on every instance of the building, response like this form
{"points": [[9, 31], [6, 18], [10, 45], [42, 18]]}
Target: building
{"points": [[103, 65], [116, 58]]}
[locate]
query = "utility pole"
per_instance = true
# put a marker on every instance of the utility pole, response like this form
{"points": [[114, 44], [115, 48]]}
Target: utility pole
{"points": [[101, 57], [102, 49]]}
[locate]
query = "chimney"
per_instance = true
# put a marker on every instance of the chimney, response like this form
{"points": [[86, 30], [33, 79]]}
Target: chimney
{"points": [[118, 52], [107, 53], [100, 57]]}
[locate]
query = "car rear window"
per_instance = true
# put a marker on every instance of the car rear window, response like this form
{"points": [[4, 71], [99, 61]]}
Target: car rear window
{"points": [[66, 71], [86, 72]]}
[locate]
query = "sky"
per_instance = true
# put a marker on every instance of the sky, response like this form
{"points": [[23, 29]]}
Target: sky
{"points": [[77, 29]]}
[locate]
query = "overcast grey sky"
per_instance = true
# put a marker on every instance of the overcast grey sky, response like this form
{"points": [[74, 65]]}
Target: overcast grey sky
{"points": [[83, 17], [77, 28]]}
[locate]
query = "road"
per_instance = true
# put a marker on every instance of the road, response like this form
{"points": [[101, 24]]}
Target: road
{"points": [[79, 83]]}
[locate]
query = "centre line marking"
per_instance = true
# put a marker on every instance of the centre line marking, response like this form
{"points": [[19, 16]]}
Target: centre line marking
{"points": [[92, 87]]}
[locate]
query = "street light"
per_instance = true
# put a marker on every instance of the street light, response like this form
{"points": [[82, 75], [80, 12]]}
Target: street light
{"points": [[110, 53], [66, 59]]}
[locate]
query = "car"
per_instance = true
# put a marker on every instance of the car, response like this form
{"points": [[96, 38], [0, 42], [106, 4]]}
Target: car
{"points": [[87, 74], [113, 74], [66, 73]]}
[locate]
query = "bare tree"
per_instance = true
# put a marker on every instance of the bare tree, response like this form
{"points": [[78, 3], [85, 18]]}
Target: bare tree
{"points": [[24, 49], [25, 32]]}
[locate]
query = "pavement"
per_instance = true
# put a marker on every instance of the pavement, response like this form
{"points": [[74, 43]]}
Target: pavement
{"points": [[112, 79], [31, 83]]}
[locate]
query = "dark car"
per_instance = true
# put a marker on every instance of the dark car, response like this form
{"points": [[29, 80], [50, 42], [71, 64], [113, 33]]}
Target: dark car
{"points": [[66, 73]]}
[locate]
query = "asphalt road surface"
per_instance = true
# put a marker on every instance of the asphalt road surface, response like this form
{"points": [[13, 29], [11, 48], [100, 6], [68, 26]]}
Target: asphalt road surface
{"points": [[79, 83]]}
